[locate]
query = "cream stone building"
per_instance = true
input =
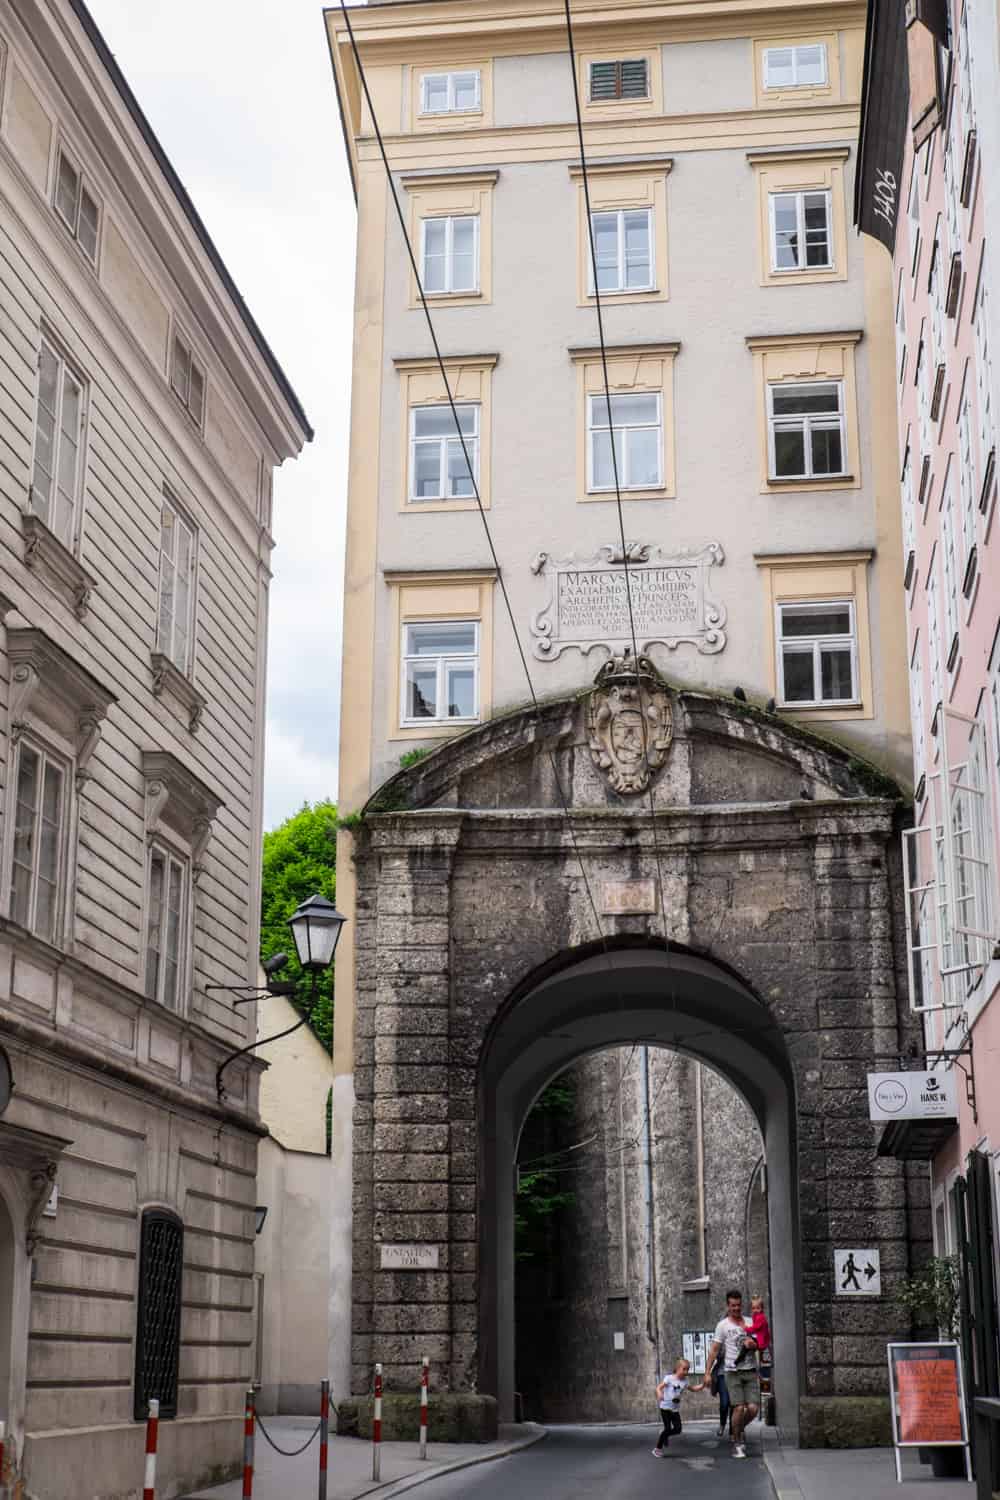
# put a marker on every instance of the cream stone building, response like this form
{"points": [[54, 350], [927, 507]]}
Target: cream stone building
{"points": [[750, 366], [142, 415]]}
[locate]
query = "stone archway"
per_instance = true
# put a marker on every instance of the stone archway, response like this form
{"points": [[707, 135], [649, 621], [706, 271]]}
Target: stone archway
{"points": [[673, 999], [774, 880]]}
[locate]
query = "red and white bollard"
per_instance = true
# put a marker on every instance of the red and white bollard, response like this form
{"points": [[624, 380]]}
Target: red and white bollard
{"points": [[424, 1381], [249, 1420], [377, 1428], [324, 1434], [152, 1435]]}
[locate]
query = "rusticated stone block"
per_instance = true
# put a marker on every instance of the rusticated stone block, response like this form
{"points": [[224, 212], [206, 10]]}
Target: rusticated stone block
{"points": [[451, 1418], [411, 1050], [395, 1166], [411, 1137], [416, 1318], [845, 1422], [410, 1197], [396, 1078]]}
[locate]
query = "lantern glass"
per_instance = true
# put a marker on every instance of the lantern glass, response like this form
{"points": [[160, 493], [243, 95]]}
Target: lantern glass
{"points": [[316, 927]]}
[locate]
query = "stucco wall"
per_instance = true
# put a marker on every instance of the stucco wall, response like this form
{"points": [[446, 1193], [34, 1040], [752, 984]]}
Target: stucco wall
{"points": [[294, 1090], [293, 1271]]}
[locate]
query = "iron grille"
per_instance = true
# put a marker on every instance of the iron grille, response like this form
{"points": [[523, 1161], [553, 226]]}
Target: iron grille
{"points": [[158, 1332]]}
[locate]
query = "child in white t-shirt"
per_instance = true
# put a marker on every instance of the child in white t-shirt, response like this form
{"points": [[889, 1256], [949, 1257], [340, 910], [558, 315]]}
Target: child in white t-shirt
{"points": [[668, 1395]]}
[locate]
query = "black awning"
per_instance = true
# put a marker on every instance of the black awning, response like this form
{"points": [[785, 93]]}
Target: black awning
{"points": [[915, 1140], [885, 98]]}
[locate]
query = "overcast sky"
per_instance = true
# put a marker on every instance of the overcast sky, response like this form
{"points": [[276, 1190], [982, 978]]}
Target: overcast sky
{"points": [[241, 96]]}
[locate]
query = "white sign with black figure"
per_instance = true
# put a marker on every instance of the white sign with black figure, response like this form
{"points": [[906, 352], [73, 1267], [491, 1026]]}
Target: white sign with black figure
{"points": [[857, 1273], [912, 1096]]}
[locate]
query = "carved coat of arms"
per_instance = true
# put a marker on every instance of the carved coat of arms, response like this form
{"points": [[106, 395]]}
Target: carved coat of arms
{"points": [[630, 725]]}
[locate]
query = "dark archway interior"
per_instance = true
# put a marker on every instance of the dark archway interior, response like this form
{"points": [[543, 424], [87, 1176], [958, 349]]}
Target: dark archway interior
{"points": [[632, 994]]}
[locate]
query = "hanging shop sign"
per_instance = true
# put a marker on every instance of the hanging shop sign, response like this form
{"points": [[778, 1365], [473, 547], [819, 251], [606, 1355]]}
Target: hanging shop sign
{"points": [[927, 1398], [912, 1096]]}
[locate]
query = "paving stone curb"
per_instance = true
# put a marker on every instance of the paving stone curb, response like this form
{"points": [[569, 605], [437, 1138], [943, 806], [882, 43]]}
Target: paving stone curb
{"points": [[437, 1471], [785, 1483]]}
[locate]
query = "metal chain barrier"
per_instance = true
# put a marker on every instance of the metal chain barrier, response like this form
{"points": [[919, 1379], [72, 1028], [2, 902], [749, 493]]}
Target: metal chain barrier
{"points": [[285, 1452]]}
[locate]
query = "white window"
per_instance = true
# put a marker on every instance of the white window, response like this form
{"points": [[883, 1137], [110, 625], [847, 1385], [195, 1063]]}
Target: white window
{"points": [[624, 79], [968, 486], [909, 516], [57, 467], [949, 571], [800, 231], [636, 422], [39, 837], [438, 467], [795, 67], [440, 672], [77, 207], [806, 429], [900, 330], [939, 276], [166, 926], [924, 398], [187, 379], [934, 658], [965, 71], [175, 615], [817, 649], [913, 219], [984, 375], [450, 93], [449, 254], [917, 710], [623, 248]]}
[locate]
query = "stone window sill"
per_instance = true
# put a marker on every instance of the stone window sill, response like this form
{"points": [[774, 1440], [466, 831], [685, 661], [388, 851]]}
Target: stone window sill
{"points": [[169, 682], [46, 556]]}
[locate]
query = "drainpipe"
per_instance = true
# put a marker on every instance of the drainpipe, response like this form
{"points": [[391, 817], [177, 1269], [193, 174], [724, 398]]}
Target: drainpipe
{"points": [[652, 1312]]}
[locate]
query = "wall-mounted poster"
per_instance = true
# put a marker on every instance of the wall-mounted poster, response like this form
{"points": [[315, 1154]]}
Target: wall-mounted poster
{"points": [[928, 1399], [696, 1346]]}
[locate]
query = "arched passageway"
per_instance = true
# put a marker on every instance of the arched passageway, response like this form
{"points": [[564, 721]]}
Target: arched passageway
{"points": [[585, 1003]]}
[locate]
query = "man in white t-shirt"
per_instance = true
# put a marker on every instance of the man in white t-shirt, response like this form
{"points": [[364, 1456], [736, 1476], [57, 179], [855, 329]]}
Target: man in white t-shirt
{"points": [[739, 1349]]}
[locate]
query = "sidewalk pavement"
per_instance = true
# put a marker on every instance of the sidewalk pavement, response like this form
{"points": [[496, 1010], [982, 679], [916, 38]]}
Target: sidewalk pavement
{"points": [[862, 1473], [349, 1469]]}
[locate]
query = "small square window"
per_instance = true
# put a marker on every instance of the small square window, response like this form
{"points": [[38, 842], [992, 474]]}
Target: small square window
{"points": [[187, 379], [806, 430], [800, 231], [77, 206], [634, 423], [623, 250], [817, 650], [627, 78], [438, 449], [440, 672], [797, 67], [451, 93], [450, 254]]}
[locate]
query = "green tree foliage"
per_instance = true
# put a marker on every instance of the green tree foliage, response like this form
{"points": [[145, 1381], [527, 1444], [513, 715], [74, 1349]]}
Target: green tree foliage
{"points": [[541, 1193], [932, 1295], [300, 858]]}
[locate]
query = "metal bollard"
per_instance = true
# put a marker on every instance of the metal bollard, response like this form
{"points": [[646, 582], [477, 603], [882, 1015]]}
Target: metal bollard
{"points": [[152, 1435], [249, 1421], [324, 1434], [377, 1428], [424, 1381]]}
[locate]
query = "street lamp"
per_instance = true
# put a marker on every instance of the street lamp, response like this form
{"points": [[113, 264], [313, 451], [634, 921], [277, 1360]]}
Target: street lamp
{"points": [[316, 926]]}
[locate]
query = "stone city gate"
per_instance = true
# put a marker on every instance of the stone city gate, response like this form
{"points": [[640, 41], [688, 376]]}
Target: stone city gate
{"points": [[480, 973]]}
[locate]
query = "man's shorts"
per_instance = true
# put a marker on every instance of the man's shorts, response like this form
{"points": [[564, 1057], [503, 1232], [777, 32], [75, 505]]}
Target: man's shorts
{"points": [[742, 1386]]}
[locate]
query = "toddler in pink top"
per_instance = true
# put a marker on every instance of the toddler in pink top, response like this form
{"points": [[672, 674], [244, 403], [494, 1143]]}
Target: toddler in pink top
{"points": [[760, 1328]]}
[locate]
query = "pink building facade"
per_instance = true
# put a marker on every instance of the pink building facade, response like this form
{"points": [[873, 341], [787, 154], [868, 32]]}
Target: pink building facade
{"points": [[925, 189]]}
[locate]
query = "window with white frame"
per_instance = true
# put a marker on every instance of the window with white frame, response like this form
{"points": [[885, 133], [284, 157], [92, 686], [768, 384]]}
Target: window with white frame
{"points": [[934, 657], [449, 254], [939, 275], [806, 436], [900, 330], [438, 449], [951, 188], [924, 399], [984, 375], [440, 672], [77, 206], [175, 613], [949, 570], [623, 250], [802, 66], [965, 71], [627, 78], [166, 926], [913, 219], [917, 710], [634, 423], [967, 483], [801, 238], [909, 515], [58, 461], [451, 93], [187, 379], [995, 706], [817, 653], [40, 791]]}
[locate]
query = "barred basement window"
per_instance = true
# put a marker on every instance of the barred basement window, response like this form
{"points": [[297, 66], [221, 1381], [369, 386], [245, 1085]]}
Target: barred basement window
{"points": [[624, 79], [158, 1331]]}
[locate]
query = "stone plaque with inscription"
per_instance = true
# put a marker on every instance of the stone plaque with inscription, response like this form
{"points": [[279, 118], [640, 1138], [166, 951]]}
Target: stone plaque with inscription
{"points": [[588, 602], [409, 1257], [628, 898]]}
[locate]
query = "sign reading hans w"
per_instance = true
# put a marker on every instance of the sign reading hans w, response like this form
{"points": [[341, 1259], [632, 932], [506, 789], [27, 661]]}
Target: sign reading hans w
{"points": [[912, 1096]]}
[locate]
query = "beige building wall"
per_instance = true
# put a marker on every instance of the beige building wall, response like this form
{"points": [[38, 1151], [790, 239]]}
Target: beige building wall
{"points": [[294, 1089], [116, 1102]]}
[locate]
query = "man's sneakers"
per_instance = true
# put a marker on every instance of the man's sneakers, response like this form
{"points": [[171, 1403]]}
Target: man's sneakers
{"points": [[657, 1452], [739, 1450]]}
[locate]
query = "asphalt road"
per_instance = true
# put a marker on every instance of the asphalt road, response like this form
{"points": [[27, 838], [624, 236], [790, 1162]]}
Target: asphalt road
{"points": [[614, 1463]]}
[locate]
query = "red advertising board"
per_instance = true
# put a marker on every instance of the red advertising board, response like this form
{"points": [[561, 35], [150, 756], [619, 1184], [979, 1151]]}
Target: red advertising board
{"points": [[928, 1405]]}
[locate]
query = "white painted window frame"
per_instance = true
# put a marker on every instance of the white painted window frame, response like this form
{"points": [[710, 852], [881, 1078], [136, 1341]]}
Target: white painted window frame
{"points": [[443, 661], [65, 370], [157, 988], [800, 195], [167, 644], [449, 288], [622, 287], [917, 713], [949, 565], [820, 421], [72, 219], [795, 48], [450, 75], [799, 645], [472, 442], [47, 757], [597, 403], [181, 382]]}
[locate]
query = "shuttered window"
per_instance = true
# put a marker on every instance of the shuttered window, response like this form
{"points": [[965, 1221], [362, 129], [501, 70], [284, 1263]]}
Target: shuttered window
{"points": [[158, 1330], [627, 78]]}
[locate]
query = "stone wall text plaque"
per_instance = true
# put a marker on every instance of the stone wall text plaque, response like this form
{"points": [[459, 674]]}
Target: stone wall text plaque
{"points": [[409, 1257]]}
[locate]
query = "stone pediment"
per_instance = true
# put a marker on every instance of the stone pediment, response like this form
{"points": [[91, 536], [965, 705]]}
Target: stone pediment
{"points": [[179, 804]]}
